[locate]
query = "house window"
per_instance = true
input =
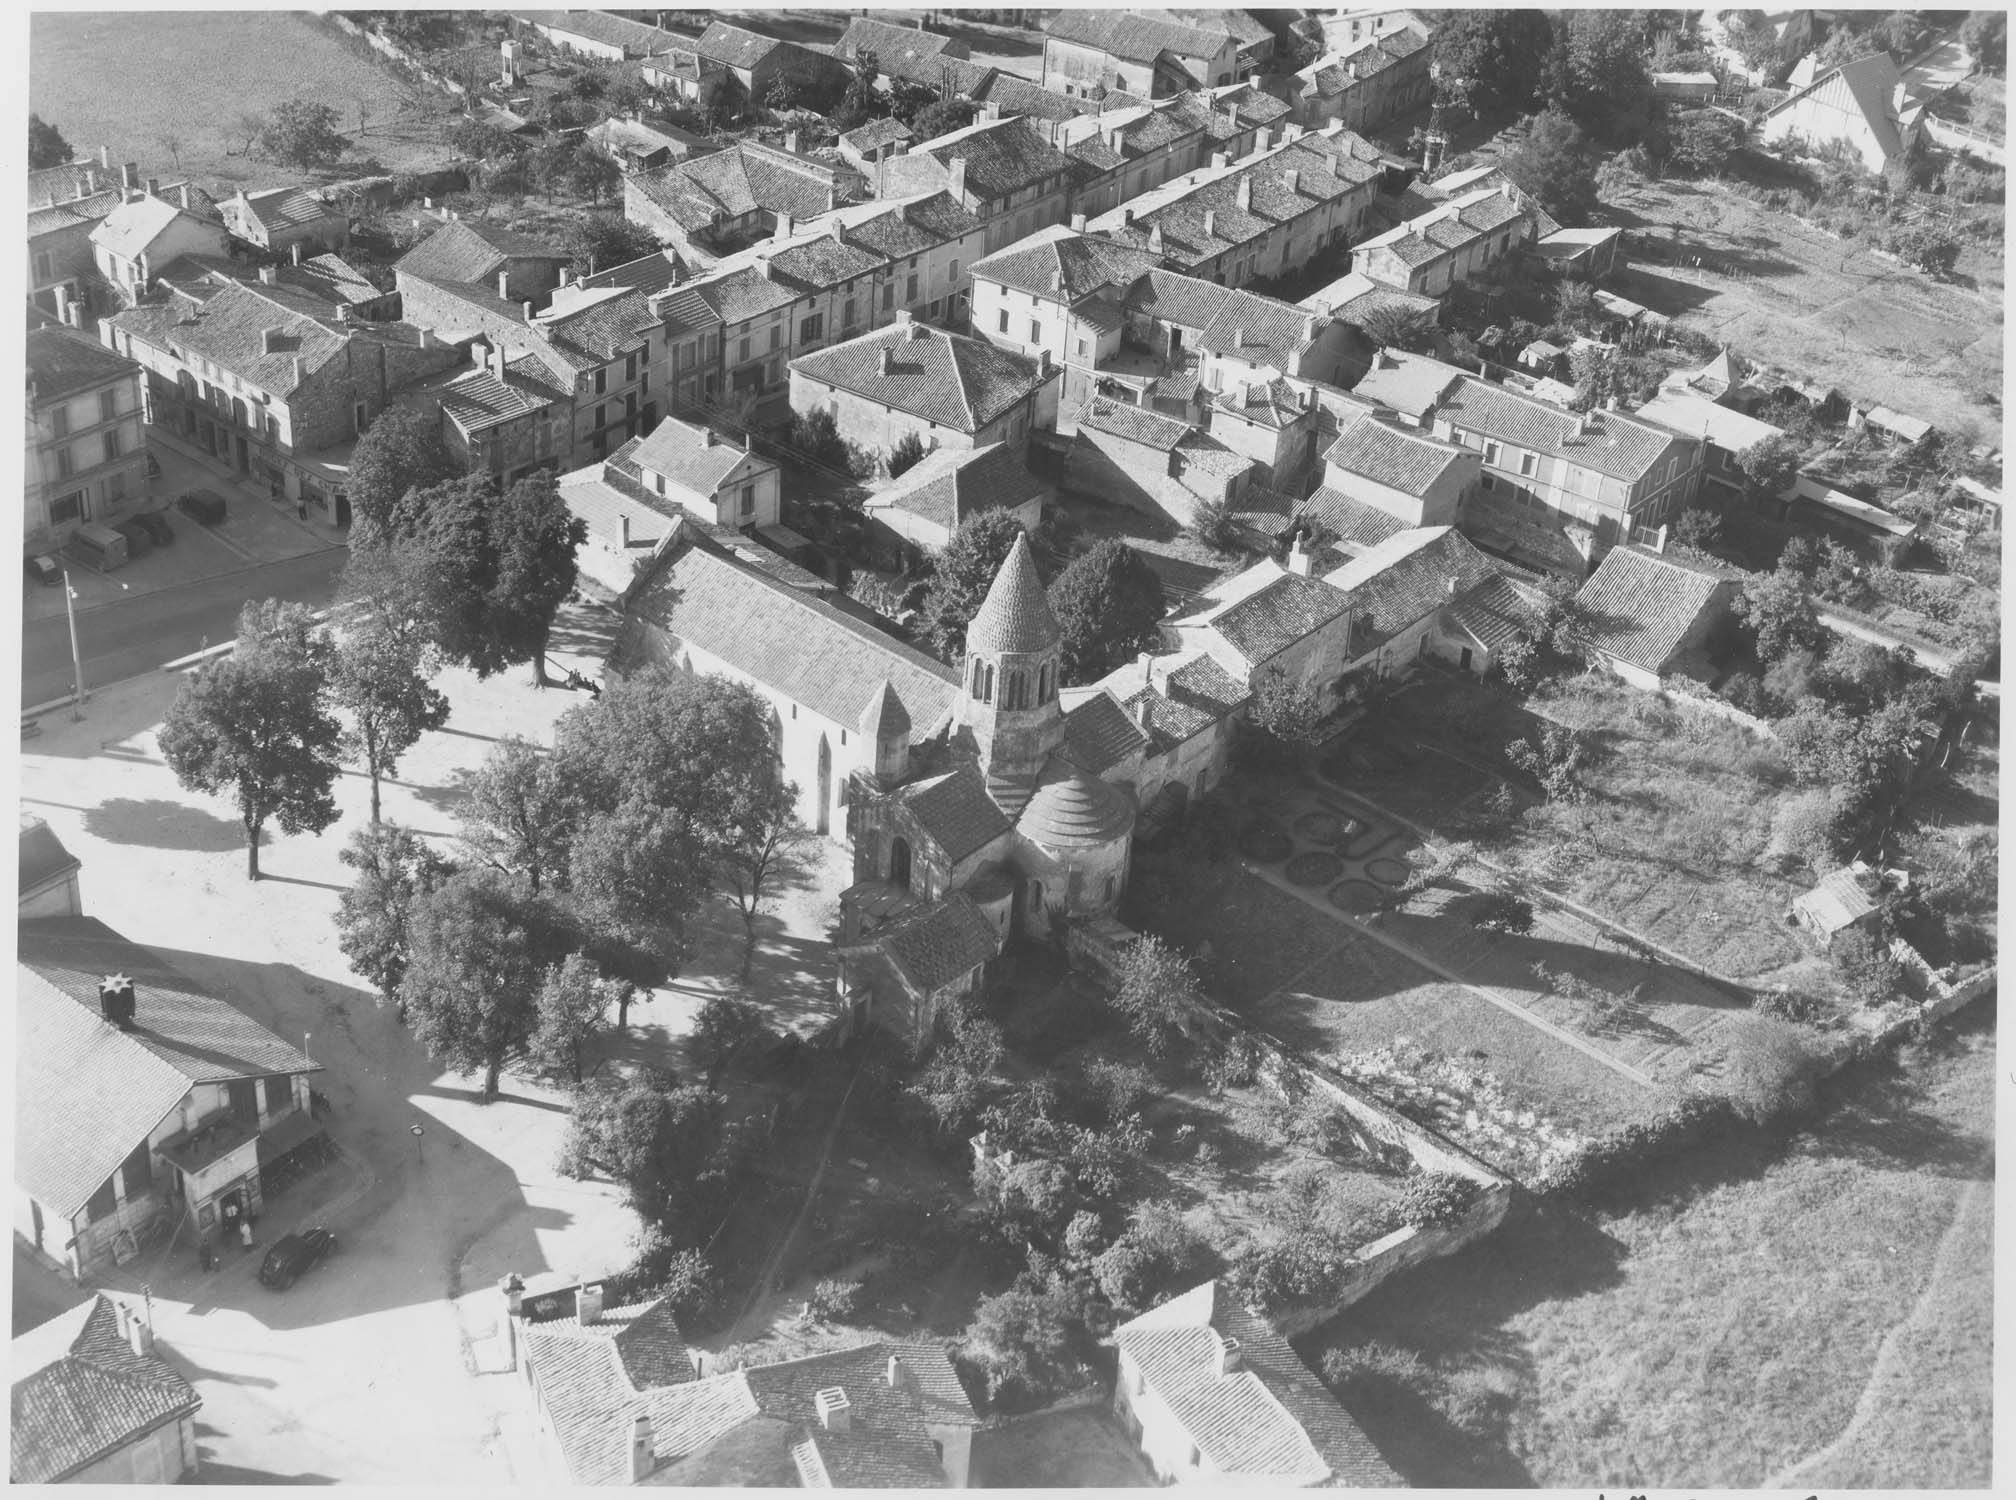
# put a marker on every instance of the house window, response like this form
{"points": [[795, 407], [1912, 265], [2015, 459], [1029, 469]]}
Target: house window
{"points": [[279, 1093], [1489, 482], [742, 350], [42, 265], [1491, 452], [601, 381], [1081, 348], [910, 286], [111, 445], [953, 274], [1004, 320], [66, 508], [360, 415], [65, 464], [1529, 464], [776, 336], [1035, 332], [59, 419], [108, 405], [811, 328], [748, 500], [630, 367]]}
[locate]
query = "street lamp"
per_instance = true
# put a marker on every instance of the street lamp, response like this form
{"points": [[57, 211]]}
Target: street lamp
{"points": [[76, 658]]}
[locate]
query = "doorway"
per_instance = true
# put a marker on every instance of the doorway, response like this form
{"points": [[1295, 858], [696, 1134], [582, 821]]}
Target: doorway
{"points": [[825, 824]]}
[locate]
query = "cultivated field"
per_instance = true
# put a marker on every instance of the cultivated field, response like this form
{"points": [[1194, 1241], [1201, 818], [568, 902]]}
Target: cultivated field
{"points": [[1764, 1317], [131, 80], [1778, 291]]}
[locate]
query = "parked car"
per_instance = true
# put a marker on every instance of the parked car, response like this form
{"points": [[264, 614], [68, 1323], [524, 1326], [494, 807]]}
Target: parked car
{"points": [[155, 523], [293, 1254], [153, 467], [206, 506], [139, 539], [45, 570]]}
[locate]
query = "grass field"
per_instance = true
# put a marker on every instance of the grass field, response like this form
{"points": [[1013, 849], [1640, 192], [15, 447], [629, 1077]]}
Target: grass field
{"points": [[131, 79], [1778, 291], [1722, 1331]]}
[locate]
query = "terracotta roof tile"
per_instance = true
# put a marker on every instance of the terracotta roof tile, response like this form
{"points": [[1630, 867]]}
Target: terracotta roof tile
{"points": [[958, 382], [1405, 578], [1099, 734], [953, 485], [935, 944], [1408, 461], [1640, 605], [956, 812], [79, 1391]]}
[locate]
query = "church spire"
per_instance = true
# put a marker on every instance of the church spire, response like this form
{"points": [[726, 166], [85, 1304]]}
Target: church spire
{"points": [[1015, 616], [1008, 711]]}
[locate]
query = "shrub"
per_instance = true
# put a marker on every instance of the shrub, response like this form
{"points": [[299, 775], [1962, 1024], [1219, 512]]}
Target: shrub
{"points": [[1799, 1007], [1866, 968], [1361, 1370], [834, 1300], [1611, 1161], [1772, 1067], [1434, 1200], [908, 452], [1120, 1088]]}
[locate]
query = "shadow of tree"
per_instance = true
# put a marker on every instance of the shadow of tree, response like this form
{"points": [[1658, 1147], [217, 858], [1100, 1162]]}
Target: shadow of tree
{"points": [[156, 823]]}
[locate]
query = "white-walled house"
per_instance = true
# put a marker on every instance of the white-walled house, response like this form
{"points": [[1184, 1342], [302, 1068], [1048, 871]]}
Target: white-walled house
{"points": [[96, 1402], [142, 235], [1858, 105]]}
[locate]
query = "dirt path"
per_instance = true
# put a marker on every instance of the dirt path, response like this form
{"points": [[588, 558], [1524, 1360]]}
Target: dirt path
{"points": [[1867, 1404], [1409, 952]]}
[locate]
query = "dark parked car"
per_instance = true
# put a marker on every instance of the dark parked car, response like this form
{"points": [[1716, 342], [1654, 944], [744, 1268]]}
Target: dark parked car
{"points": [[206, 506], [294, 1254], [155, 524], [45, 570], [139, 539]]}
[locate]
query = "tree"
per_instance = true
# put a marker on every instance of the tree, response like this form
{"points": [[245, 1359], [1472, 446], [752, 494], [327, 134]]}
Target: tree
{"points": [[1931, 248], [479, 950], [1108, 603], [400, 452], [1211, 523], [248, 126], [597, 241], [1756, 42], [518, 816], [253, 725], [1394, 325], [763, 850], [725, 1031], [381, 680], [863, 101], [46, 146], [171, 142], [962, 574], [302, 133], [1490, 61], [905, 454], [1704, 140], [1282, 714], [1770, 466], [1026, 1341], [942, 117], [908, 100], [1985, 34], [662, 1143], [571, 1007], [1158, 993], [1698, 530], [395, 868], [1596, 71], [480, 141], [1778, 608], [1555, 166], [1503, 911]]}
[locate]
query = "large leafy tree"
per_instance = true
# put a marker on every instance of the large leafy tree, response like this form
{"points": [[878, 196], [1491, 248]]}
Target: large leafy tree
{"points": [[1596, 70], [726, 1030], [1490, 61], [254, 726], [763, 852], [380, 678], [1108, 603], [572, 1005], [518, 816], [302, 133], [1770, 466], [1779, 608], [963, 573], [1985, 33], [395, 868], [662, 1143], [46, 146], [400, 452], [479, 950], [1555, 164], [597, 241], [1159, 994], [863, 101]]}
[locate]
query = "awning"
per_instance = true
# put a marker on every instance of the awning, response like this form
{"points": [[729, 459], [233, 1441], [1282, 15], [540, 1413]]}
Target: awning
{"points": [[288, 1135]]}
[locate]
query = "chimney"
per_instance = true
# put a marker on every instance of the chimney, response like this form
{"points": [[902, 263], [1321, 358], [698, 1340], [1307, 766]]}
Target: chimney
{"points": [[526, 308], [1453, 586], [706, 437], [791, 141], [294, 251], [74, 316], [1238, 339], [588, 1304], [269, 341], [115, 1000], [1299, 561], [1210, 223], [956, 182], [834, 1413], [504, 284], [918, 331], [1077, 223], [269, 275], [990, 110], [903, 317], [153, 187], [643, 1448], [62, 304], [1659, 540], [888, 358], [895, 1373], [566, 274], [1292, 180], [1245, 194], [1228, 1356], [300, 369], [1610, 404], [1155, 240], [105, 157], [185, 204], [343, 316], [139, 1333], [1262, 139], [1219, 159], [748, 441], [786, 225]]}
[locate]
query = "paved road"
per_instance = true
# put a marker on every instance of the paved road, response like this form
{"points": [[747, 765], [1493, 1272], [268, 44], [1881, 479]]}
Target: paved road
{"points": [[134, 636]]}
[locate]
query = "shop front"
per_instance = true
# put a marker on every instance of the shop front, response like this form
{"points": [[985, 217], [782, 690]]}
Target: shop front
{"points": [[216, 1165]]}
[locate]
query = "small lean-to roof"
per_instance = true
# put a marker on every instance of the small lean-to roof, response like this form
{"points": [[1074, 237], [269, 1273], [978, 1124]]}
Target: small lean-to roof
{"points": [[1498, 611], [1639, 605], [290, 208], [1134, 423], [1838, 901], [1354, 525], [952, 485], [43, 857], [930, 946], [1098, 734], [866, 138], [955, 812], [1404, 579], [958, 382], [80, 1392]]}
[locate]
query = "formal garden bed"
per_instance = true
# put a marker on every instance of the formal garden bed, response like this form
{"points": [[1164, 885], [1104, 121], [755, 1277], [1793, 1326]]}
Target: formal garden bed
{"points": [[1466, 1103]]}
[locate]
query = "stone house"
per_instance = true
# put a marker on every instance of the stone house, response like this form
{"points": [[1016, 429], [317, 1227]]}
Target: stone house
{"points": [[636, 145], [1650, 614], [595, 34], [708, 207], [1417, 479], [85, 454], [517, 267], [864, 146], [143, 234], [1003, 172], [67, 203], [1124, 152], [278, 219], [1156, 463], [48, 886], [689, 78], [1723, 432], [275, 381], [1213, 1395], [909, 53], [190, 1101], [1258, 217], [1094, 52], [96, 1401], [1269, 618], [1184, 708], [620, 1399], [1452, 242], [921, 509], [1272, 422], [948, 390], [508, 416], [762, 63], [1363, 85]]}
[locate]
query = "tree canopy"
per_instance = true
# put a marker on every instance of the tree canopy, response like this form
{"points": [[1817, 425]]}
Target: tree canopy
{"points": [[400, 452], [596, 241], [518, 816], [663, 1143], [1108, 602], [1985, 34], [380, 679], [395, 868], [253, 726], [963, 573], [1555, 164], [1490, 61], [1596, 69], [46, 146], [302, 133]]}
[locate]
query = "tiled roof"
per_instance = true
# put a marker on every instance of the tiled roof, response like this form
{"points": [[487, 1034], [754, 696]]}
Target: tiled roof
{"points": [[1640, 605], [1838, 901], [67, 1051], [682, 452], [333, 277], [930, 946], [479, 401], [746, 177], [824, 261], [903, 227], [1134, 423], [887, 1444], [733, 46], [1018, 96], [804, 648], [1282, 609], [1002, 156], [43, 857], [57, 216], [885, 717], [1609, 442], [600, 26], [1137, 38], [1697, 417], [1408, 461], [131, 227], [952, 485], [1410, 384], [1270, 1418], [900, 51], [620, 133], [956, 812], [290, 208], [1405, 578], [62, 360], [1353, 524], [866, 138], [1015, 616], [1070, 809], [1084, 262], [466, 251], [1498, 611], [1188, 694], [1354, 295], [1099, 734], [67, 183], [594, 325], [79, 1392], [958, 382], [744, 292], [1171, 297]]}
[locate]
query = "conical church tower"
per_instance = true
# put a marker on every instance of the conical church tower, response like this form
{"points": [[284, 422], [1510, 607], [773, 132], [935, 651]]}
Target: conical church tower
{"points": [[1008, 711]]}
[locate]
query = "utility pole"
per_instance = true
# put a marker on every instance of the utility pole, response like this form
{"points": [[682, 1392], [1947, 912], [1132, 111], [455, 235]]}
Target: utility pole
{"points": [[76, 658]]}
